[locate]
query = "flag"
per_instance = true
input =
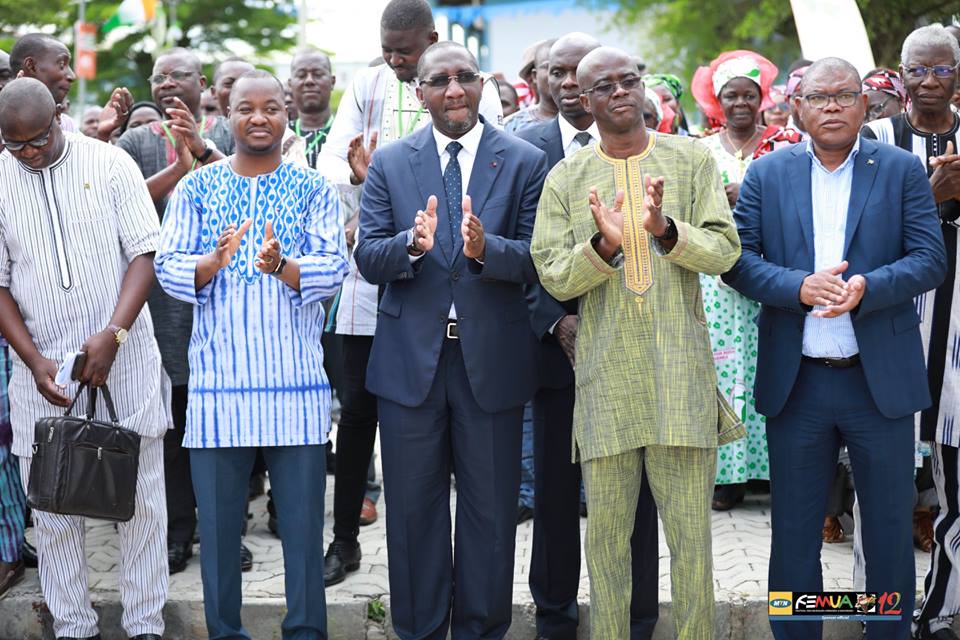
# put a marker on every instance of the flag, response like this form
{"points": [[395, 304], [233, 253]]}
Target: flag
{"points": [[131, 13]]}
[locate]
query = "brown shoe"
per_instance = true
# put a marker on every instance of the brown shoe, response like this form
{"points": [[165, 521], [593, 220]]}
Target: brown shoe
{"points": [[923, 528], [10, 574], [832, 531], [368, 513]]}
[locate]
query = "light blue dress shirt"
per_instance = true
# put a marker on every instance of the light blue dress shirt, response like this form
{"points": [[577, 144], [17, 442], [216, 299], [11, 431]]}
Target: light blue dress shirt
{"points": [[830, 196]]}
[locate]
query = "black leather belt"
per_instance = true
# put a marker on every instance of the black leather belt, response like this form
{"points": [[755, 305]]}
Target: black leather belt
{"points": [[836, 363], [453, 332]]}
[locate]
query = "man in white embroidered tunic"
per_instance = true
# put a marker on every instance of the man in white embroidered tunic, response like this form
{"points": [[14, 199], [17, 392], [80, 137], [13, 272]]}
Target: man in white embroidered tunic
{"points": [[77, 237], [255, 243]]}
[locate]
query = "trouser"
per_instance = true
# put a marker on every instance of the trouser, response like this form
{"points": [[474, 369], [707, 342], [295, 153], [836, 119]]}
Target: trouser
{"points": [[828, 408], [527, 472], [13, 505], [181, 505], [356, 435], [297, 480], [941, 587], [555, 558], [143, 557], [681, 479], [420, 445]]}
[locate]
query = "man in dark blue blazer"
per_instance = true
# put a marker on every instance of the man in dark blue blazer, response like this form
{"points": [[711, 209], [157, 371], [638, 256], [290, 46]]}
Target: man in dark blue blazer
{"points": [[446, 217], [839, 234], [555, 560]]}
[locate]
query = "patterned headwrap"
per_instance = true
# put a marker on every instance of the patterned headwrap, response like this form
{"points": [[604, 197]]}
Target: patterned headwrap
{"points": [[886, 80], [654, 97], [708, 81], [793, 80], [670, 81]]}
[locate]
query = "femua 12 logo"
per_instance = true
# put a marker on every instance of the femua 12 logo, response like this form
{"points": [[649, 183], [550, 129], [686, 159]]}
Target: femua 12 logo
{"points": [[835, 605]]}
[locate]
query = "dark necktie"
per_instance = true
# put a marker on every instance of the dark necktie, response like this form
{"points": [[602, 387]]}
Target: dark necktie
{"points": [[583, 138], [453, 185]]}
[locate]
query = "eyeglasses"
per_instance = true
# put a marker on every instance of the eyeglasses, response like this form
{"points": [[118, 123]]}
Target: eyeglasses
{"points": [[39, 142], [176, 76], [821, 100], [876, 110], [442, 82], [939, 70], [605, 89]]}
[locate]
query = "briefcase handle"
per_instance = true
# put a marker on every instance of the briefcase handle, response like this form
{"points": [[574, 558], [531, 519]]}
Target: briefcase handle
{"points": [[92, 402]]}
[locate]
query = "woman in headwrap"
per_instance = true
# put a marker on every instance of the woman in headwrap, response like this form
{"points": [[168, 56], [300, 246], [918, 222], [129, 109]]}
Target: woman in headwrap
{"points": [[733, 90], [778, 114], [670, 89], [886, 95]]}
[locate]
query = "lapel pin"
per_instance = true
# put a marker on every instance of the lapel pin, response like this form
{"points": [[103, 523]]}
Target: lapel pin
{"points": [[86, 185], [870, 161], [493, 165]]}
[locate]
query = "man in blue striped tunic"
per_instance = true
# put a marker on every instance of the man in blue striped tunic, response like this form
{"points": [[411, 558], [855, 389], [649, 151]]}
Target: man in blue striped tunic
{"points": [[77, 237], [256, 243]]}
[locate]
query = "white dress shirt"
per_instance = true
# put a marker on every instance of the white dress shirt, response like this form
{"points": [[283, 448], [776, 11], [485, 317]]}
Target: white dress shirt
{"points": [[568, 132], [830, 196]]}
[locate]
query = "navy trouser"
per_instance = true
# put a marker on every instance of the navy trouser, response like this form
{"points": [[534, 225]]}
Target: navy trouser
{"points": [[298, 480], [829, 407]]}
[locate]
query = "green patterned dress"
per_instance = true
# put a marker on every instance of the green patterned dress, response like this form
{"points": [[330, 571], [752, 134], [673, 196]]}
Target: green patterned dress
{"points": [[733, 337]]}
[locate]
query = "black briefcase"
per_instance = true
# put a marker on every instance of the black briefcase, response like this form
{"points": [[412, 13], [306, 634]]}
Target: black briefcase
{"points": [[82, 466]]}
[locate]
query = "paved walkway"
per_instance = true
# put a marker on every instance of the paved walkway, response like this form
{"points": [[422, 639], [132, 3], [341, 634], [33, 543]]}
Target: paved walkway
{"points": [[741, 541]]}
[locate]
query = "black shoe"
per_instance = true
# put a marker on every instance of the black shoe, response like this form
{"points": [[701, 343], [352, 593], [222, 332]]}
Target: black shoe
{"points": [[146, 636], [28, 553], [524, 514], [331, 459], [342, 557], [246, 558], [272, 515], [178, 555]]}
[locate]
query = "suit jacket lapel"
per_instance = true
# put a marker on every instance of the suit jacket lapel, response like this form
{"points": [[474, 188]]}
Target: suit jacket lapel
{"points": [[486, 167], [553, 142], [864, 172], [800, 184], [425, 164]]}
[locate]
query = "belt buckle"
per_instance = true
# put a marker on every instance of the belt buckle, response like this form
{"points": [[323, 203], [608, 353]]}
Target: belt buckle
{"points": [[451, 326]]}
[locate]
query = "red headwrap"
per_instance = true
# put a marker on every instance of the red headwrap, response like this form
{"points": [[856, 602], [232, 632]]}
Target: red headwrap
{"points": [[703, 90], [886, 80]]}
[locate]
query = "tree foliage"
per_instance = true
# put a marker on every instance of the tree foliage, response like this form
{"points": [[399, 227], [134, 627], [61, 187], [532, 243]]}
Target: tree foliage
{"points": [[212, 28], [688, 33]]}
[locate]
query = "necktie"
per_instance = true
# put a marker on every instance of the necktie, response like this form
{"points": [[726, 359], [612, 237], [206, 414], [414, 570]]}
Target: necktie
{"points": [[583, 138], [453, 185]]}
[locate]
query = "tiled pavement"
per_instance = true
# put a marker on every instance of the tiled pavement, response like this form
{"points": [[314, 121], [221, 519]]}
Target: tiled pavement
{"points": [[741, 539]]}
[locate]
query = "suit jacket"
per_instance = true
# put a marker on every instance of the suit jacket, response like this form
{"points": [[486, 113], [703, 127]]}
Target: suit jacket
{"points": [[893, 239], [545, 310], [498, 345]]}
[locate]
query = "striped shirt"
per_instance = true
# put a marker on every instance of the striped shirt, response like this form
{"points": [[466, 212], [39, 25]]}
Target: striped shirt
{"points": [[67, 234], [830, 195], [256, 364], [939, 310]]}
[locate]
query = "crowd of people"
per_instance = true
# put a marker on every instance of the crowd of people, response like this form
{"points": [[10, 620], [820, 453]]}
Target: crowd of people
{"points": [[560, 295]]}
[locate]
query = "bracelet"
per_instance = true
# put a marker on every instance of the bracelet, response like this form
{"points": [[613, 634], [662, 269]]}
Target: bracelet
{"points": [[281, 263]]}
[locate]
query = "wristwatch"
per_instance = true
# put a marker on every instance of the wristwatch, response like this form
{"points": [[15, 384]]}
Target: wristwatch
{"points": [[280, 265], [670, 234], [412, 247], [119, 334], [203, 157]]}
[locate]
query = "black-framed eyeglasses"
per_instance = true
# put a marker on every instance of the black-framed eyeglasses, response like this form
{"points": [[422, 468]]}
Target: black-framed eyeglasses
{"points": [[442, 82], [605, 89], [877, 109], [844, 99], [176, 76], [938, 70], [39, 142]]}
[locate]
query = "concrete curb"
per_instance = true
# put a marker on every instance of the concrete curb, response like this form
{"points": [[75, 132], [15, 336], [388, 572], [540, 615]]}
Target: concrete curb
{"points": [[24, 616]]}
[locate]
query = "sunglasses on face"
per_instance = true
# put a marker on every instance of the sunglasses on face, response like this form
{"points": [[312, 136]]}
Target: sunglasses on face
{"points": [[39, 142], [605, 89], [176, 76], [821, 100], [442, 82], [921, 71]]}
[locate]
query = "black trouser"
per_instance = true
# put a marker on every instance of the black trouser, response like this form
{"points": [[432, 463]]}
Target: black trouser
{"points": [[181, 505], [555, 560], [356, 435]]}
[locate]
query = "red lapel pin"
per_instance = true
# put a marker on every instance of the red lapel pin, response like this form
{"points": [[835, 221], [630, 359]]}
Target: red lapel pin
{"points": [[493, 165]]}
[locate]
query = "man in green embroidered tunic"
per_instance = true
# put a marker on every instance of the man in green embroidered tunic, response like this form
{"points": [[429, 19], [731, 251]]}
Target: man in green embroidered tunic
{"points": [[627, 226]]}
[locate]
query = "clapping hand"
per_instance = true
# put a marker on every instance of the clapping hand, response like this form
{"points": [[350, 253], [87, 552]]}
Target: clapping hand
{"points": [[229, 243], [854, 288], [654, 222], [471, 229], [268, 258], [181, 122], [609, 223], [116, 113], [425, 226], [358, 157]]}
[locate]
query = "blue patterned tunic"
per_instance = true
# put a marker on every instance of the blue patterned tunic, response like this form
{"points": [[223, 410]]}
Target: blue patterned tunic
{"points": [[256, 364]]}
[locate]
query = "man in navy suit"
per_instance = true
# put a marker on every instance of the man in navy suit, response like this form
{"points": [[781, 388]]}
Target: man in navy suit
{"points": [[446, 217], [839, 234], [555, 561]]}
